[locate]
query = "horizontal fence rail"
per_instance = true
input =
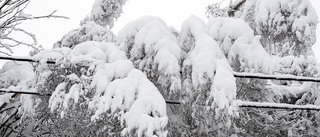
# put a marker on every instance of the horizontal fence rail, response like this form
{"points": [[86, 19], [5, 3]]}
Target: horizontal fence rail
{"points": [[275, 77], [235, 74], [25, 59], [241, 104], [249, 104]]}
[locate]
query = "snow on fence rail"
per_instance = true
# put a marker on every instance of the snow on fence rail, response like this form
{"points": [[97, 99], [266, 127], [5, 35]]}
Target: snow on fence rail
{"points": [[241, 104], [235, 74], [275, 77], [249, 104]]}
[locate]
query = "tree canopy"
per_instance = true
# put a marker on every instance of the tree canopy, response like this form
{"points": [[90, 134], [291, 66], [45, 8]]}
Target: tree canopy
{"points": [[102, 84]]}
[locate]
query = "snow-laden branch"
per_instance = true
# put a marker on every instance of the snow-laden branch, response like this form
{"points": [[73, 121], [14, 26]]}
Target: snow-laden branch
{"points": [[275, 77]]}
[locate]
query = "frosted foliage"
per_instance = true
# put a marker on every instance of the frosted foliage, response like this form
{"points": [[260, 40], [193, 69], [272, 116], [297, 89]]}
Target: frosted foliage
{"points": [[89, 31], [155, 51], [118, 90], [105, 12], [290, 23]]}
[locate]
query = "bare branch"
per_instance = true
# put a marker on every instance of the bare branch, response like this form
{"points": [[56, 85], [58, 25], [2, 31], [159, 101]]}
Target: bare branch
{"points": [[51, 16], [28, 33], [12, 15]]}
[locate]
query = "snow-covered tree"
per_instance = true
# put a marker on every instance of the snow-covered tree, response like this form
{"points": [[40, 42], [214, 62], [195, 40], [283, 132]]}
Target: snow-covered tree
{"points": [[107, 85]]}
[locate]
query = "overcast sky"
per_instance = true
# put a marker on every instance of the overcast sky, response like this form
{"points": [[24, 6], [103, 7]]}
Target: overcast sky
{"points": [[173, 12]]}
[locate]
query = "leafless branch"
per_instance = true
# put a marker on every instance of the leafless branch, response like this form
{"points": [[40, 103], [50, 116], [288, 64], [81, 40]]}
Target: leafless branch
{"points": [[12, 15]]}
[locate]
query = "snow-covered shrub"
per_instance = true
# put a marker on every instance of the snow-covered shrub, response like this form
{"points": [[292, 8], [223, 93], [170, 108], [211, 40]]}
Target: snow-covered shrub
{"points": [[96, 85]]}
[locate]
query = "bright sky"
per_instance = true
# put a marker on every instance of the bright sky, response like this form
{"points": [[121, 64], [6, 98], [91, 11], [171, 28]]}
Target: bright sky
{"points": [[173, 12]]}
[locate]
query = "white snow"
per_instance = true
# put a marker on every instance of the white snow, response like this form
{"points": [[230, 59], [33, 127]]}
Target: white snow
{"points": [[133, 27], [153, 49]]}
